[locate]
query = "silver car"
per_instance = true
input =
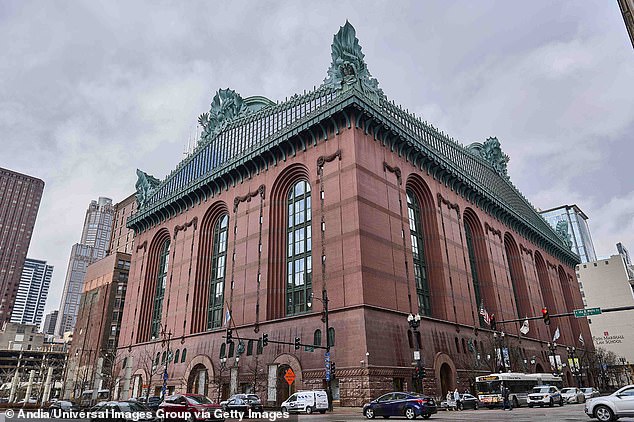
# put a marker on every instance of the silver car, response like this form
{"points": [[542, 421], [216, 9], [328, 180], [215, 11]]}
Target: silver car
{"points": [[590, 392], [573, 395], [609, 408]]}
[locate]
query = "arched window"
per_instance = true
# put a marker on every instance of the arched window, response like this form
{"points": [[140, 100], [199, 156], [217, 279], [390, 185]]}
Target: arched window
{"points": [[520, 289], [457, 345], [418, 252], [218, 265], [250, 348], [223, 350], [161, 283], [176, 356], [299, 247], [163, 357], [260, 348], [231, 350], [183, 355], [158, 357], [317, 338], [331, 336], [474, 269], [410, 339]]}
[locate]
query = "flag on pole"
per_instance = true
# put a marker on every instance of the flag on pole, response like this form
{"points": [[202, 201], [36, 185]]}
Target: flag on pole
{"points": [[556, 335], [524, 329], [583, 343], [227, 317], [485, 314]]}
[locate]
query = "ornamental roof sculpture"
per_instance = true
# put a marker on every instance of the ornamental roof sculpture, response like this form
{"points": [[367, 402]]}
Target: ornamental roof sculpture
{"points": [[348, 66], [243, 137], [491, 151], [226, 106], [145, 186], [562, 231]]}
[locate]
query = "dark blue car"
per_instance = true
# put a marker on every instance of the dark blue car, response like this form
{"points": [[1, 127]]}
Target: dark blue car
{"points": [[409, 405]]}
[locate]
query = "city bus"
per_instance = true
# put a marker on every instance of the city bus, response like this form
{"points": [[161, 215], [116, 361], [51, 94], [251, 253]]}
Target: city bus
{"points": [[489, 387]]}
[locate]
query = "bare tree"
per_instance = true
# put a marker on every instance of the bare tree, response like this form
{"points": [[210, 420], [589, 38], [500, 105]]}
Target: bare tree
{"points": [[150, 363], [256, 372]]}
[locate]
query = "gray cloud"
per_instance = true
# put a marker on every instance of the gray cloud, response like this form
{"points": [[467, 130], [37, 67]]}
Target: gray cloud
{"points": [[89, 91]]}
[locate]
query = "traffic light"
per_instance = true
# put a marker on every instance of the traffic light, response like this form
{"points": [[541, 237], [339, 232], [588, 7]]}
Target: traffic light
{"points": [[545, 315], [265, 340], [493, 322], [297, 343], [332, 369], [229, 336]]}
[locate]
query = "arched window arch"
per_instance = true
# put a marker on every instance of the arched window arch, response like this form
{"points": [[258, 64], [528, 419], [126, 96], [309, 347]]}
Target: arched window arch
{"points": [[161, 284], [223, 350], [250, 348], [163, 357], [176, 356], [156, 360], [410, 339], [231, 350], [183, 355], [331, 336], [298, 248], [418, 251], [516, 272], [473, 264], [218, 270], [317, 338]]}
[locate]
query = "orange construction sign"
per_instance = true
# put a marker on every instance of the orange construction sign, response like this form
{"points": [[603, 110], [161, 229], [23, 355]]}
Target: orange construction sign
{"points": [[289, 376]]}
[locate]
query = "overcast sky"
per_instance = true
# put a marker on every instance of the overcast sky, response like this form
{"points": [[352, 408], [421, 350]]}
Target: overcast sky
{"points": [[89, 91]]}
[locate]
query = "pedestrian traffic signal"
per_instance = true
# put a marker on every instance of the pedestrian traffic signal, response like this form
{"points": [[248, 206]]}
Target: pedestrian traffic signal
{"points": [[229, 336], [265, 340], [545, 315], [297, 343], [493, 322]]}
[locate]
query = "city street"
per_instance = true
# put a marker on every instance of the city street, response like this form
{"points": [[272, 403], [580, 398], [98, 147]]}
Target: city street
{"points": [[567, 413]]}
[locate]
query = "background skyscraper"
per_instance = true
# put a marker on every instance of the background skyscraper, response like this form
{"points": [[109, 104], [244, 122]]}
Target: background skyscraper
{"points": [[20, 197], [32, 292], [49, 323], [95, 238], [578, 229]]}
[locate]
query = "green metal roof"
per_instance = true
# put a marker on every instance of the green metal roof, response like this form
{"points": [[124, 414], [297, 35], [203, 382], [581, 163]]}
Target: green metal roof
{"points": [[243, 142]]}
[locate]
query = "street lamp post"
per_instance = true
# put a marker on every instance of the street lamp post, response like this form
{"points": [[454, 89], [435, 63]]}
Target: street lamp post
{"points": [[499, 341], [414, 323], [324, 301], [167, 335], [553, 348]]}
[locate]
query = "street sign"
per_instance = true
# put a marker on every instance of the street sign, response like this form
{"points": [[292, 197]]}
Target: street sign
{"points": [[327, 354], [165, 376], [416, 355], [309, 349], [289, 376], [582, 313]]}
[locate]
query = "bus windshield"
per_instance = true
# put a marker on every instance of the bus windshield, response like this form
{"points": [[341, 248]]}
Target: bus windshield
{"points": [[488, 387]]}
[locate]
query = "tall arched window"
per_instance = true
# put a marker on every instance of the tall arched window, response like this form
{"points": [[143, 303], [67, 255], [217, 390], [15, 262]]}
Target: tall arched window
{"points": [[218, 266], [317, 338], [161, 283], [299, 247], [473, 264], [418, 251]]}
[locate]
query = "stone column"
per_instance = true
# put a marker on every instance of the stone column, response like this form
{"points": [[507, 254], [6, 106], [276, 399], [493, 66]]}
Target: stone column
{"points": [[127, 376], [29, 386], [271, 391], [14, 385], [47, 385]]}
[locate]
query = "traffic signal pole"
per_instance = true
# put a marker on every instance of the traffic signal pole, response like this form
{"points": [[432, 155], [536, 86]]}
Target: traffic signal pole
{"points": [[565, 314]]}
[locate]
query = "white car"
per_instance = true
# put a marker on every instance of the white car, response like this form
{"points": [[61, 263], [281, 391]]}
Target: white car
{"points": [[590, 392], [573, 395], [544, 395], [609, 408]]}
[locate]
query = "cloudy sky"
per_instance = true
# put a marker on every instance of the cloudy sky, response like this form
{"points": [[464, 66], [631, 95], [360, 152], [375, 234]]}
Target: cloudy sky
{"points": [[89, 91]]}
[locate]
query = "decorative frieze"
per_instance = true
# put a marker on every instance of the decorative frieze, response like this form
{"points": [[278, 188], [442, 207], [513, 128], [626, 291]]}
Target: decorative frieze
{"points": [[326, 159], [493, 230], [183, 227], [247, 198], [450, 205], [142, 246], [526, 250], [395, 170]]}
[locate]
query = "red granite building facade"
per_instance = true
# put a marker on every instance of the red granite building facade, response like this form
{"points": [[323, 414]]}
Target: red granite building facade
{"points": [[335, 191]]}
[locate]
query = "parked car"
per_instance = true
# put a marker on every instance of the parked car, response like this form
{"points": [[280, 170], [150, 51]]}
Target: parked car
{"points": [[609, 408], [31, 400], [409, 405], [306, 401], [544, 395], [196, 405], [573, 395], [590, 392], [250, 401], [127, 411], [467, 401], [64, 405]]}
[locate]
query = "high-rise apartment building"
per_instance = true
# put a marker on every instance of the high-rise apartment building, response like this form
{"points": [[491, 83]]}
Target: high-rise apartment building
{"points": [[32, 292], [95, 239], [49, 323], [576, 225], [122, 237], [20, 197], [627, 10]]}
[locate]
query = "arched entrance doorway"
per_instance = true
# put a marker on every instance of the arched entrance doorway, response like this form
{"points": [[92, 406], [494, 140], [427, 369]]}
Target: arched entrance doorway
{"points": [[284, 390], [198, 380], [539, 368], [446, 379]]}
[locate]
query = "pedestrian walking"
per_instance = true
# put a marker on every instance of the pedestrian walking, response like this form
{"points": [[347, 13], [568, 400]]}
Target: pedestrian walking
{"points": [[505, 395], [450, 402], [456, 397]]}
